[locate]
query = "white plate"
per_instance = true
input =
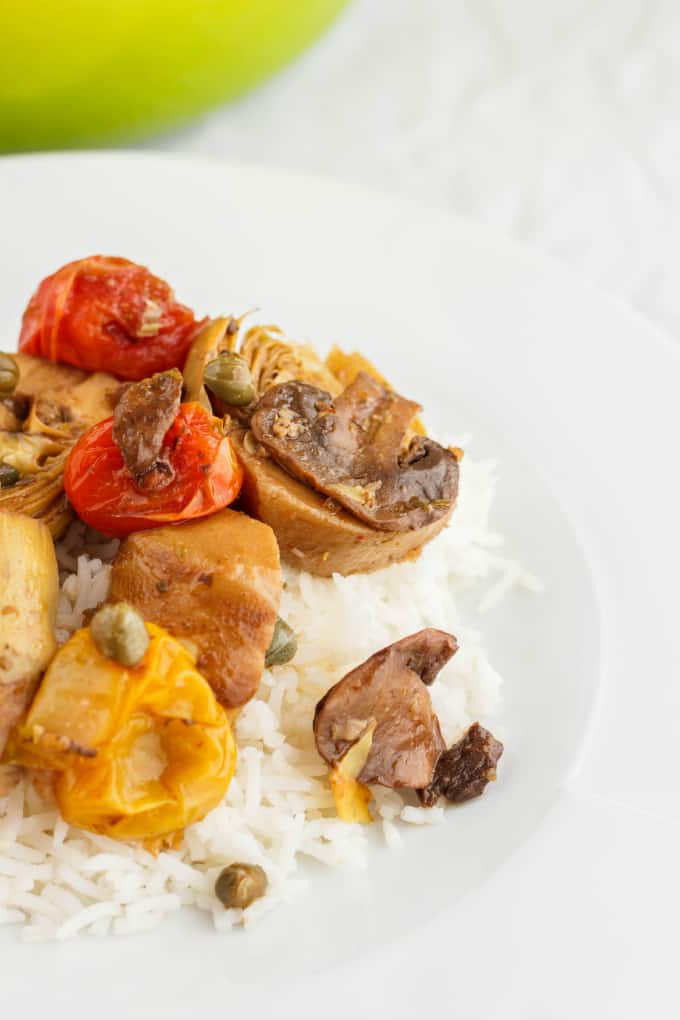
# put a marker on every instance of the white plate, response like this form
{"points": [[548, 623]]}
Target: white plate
{"points": [[573, 396]]}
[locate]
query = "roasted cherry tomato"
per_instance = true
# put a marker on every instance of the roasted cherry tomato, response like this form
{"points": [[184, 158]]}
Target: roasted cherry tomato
{"points": [[108, 314], [147, 751], [206, 476]]}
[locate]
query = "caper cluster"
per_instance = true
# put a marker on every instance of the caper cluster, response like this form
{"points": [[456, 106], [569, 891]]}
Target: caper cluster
{"points": [[239, 885], [9, 377], [228, 377], [119, 632], [283, 645], [9, 374]]}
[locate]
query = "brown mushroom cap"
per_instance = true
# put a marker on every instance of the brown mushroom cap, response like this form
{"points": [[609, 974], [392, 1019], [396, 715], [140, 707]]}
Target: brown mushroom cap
{"points": [[464, 770], [390, 688], [144, 413], [351, 448]]}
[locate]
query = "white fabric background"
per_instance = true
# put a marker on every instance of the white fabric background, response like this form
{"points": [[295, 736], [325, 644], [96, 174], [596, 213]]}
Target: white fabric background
{"points": [[554, 121]]}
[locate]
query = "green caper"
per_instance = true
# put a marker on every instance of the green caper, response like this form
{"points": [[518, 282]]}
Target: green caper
{"points": [[228, 377], [239, 885], [9, 476], [120, 633], [283, 645], [9, 374]]}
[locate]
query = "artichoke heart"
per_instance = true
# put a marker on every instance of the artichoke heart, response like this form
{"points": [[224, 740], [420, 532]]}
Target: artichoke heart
{"points": [[27, 453], [28, 607], [52, 405], [215, 338], [274, 359], [41, 496]]}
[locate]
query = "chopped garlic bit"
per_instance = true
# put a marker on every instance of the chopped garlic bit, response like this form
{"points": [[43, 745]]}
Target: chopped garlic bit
{"points": [[150, 324]]}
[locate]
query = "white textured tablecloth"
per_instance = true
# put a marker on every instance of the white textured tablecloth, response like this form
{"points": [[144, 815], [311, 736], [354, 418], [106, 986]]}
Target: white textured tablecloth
{"points": [[554, 121]]}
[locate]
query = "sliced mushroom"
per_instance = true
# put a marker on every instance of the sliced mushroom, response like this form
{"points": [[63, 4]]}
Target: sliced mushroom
{"points": [[217, 336], [346, 367], [314, 532], [389, 691], [351, 449], [464, 770], [143, 415]]}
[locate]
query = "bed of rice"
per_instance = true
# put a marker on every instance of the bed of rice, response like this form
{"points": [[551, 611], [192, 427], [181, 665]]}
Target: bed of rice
{"points": [[57, 881]]}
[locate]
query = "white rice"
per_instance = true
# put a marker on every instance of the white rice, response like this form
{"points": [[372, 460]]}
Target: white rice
{"points": [[58, 881]]}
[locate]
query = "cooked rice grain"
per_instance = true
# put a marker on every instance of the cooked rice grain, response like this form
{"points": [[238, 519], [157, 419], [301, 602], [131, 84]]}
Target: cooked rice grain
{"points": [[59, 881]]}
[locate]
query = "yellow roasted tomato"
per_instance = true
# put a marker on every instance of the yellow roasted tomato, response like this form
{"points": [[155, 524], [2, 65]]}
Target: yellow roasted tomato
{"points": [[140, 752]]}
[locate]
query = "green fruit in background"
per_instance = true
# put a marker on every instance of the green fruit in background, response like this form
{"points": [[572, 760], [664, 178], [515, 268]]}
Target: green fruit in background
{"points": [[76, 72]]}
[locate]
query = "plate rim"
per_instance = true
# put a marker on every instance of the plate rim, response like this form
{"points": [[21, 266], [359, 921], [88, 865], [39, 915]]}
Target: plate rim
{"points": [[463, 227]]}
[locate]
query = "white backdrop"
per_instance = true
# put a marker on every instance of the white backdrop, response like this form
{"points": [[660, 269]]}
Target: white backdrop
{"points": [[555, 121]]}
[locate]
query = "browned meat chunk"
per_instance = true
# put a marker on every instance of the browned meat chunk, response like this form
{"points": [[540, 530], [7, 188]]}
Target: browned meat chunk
{"points": [[388, 691], [464, 770], [143, 415], [351, 449], [215, 582]]}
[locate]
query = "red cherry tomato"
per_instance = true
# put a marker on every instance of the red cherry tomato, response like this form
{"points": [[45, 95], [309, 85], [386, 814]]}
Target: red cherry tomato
{"points": [[108, 314], [207, 476]]}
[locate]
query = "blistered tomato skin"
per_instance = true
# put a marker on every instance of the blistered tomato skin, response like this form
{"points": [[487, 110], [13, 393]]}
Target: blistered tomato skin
{"points": [[108, 314], [138, 752], [206, 476]]}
